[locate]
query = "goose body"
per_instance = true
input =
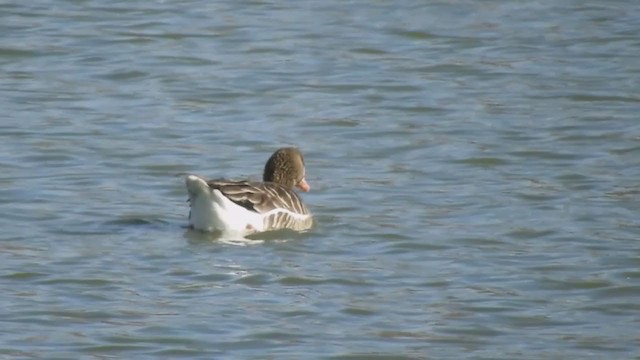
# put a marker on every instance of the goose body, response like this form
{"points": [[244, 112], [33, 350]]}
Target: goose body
{"points": [[248, 207]]}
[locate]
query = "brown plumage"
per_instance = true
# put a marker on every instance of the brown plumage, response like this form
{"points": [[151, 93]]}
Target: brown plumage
{"points": [[274, 200], [285, 167]]}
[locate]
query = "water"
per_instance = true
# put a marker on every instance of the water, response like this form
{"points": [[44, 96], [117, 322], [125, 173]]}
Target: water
{"points": [[474, 173]]}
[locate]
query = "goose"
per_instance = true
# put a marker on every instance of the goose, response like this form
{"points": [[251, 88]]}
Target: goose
{"points": [[247, 207]]}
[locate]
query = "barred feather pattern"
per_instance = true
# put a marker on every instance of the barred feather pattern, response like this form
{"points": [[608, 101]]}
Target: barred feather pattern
{"points": [[282, 208]]}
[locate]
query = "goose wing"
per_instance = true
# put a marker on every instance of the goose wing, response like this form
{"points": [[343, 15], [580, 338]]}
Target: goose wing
{"points": [[261, 197], [281, 208]]}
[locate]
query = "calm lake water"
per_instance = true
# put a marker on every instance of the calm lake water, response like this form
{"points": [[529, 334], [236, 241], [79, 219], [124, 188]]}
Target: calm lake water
{"points": [[474, 169]]}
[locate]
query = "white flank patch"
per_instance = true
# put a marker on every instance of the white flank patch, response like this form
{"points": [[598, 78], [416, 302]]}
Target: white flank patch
{"points": [[210, 210]]}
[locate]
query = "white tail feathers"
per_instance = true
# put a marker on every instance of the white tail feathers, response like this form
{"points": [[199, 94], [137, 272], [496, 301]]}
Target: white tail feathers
{"points": [[196, 185]]}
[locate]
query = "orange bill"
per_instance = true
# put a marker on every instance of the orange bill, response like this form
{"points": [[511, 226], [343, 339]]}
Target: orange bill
{"points": [[303, 185]]}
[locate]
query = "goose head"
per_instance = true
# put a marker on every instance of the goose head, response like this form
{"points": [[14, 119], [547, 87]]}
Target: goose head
{"points": [[286, 167]]}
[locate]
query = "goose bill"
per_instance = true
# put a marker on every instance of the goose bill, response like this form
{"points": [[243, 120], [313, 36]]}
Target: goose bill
{"points": [[303, 185]]}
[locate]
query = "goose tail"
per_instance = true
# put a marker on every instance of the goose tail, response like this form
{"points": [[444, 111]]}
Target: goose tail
{"points": [[196, 185]]}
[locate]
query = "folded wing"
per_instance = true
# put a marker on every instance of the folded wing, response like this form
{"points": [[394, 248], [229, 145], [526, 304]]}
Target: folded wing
{"points": [[281, 208]]}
